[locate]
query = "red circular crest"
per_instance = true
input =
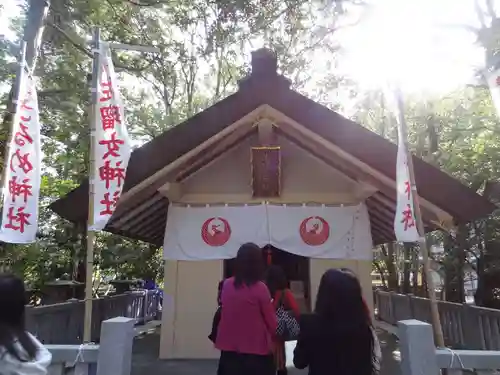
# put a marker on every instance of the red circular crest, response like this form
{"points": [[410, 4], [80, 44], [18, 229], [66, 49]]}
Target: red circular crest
{"points": [[314, 230], [215, 231]]}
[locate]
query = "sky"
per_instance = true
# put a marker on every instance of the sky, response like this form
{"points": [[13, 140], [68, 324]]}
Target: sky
{"points": [[419, 44], [10, 9]]}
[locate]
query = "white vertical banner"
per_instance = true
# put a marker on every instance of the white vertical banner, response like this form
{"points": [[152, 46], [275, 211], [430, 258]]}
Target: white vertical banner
{"points": [[112, 146], [405, 227], [23, 169], [494, 86], [214, 232]]}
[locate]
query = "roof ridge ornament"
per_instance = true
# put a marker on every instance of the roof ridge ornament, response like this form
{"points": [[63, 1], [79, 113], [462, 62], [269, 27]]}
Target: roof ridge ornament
{"points": [[264, 62], [264, 71]]}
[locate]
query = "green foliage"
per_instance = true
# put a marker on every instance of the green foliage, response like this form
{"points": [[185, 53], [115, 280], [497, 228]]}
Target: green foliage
{"points": [[460, 134], [204, 49]]}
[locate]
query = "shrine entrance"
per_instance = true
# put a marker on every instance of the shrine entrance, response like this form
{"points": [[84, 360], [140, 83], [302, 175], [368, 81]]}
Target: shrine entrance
{"points": [[296, 269]]}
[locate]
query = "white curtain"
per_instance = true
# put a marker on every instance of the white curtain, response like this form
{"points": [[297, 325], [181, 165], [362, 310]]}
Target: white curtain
{"points": [[216, 232], [321, 231]]}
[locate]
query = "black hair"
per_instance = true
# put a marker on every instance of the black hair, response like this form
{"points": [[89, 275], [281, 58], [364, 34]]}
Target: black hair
{"points": [[349, 271], [13, 335], [249, 265], [341, 305], [276, 279], [367, 310]]}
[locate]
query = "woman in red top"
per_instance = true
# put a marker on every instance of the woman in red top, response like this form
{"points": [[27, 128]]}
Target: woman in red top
{"points": [[278, 287], [248, 319]]}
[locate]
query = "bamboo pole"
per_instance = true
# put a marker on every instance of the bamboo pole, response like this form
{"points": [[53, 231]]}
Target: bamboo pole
{"points": [[87, 328], [436, 322]]}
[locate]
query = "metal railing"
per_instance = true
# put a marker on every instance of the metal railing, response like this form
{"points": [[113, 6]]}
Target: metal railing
{"points": [[62, 323], [464, 326]]}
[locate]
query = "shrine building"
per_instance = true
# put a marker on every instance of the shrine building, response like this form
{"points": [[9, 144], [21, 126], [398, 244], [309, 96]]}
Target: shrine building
{"points": [[267, 165]]}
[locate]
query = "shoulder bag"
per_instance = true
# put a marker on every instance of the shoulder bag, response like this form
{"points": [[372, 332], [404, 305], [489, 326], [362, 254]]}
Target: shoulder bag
{"points": [[288, 328]]}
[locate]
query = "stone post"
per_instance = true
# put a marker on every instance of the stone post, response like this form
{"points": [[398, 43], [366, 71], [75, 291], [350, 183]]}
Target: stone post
{"points": [[115, 347], [418, 353]]}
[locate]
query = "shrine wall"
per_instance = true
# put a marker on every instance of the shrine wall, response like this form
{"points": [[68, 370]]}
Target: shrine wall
{"points": [[189, 304], [191, 287], [304, 178]]}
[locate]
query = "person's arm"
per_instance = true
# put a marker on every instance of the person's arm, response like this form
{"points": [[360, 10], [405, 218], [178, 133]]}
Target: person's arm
{"points": [[268, 311], [291, 303], [301, 355]]}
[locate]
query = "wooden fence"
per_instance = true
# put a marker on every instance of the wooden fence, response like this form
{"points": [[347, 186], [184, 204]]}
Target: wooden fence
{"points": [[419, 356], [62, 323], [464, 326], [112, 356]]}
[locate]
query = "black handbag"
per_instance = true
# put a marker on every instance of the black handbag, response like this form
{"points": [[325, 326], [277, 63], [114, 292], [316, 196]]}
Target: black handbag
{"points": [[215, 324]]}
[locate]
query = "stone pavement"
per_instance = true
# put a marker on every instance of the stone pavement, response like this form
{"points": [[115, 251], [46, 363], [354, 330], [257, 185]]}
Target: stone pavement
{"points": [[145, 359]]}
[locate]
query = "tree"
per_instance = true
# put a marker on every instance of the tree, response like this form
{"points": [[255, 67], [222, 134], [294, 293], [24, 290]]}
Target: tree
{"points": [[203, 45], [458, 133]]}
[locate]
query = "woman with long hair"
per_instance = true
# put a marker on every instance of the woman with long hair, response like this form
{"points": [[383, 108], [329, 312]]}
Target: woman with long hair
{"points": [[20, 352], [337, 338], [377, 350], [282, 296], [353, 274], [248, 320]]}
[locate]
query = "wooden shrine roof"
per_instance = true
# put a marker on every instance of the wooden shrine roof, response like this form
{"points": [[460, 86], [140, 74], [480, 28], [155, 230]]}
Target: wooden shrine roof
{"points": [[143, 216]]}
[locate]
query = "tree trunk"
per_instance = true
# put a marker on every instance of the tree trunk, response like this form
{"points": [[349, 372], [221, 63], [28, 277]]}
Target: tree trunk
{"points": [[381, 273], [390, 265], [407, 249], [480, 295], [449, 268], [425, 290], [33, 30], [461, 250], [454, 264], [415, 272]]}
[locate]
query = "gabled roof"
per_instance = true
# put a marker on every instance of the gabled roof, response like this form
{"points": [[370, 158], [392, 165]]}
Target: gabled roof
{"points": [[264, 86]]}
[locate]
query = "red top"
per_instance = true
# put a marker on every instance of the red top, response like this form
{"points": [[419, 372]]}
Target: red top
{"points": [[288, 300], [248, 320]]}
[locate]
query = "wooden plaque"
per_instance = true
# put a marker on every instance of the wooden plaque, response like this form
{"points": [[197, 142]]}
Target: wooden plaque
{"points": [[266, 171]]}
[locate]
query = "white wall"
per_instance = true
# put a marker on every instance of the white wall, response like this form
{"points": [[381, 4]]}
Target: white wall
{"points": [[190, 302]]}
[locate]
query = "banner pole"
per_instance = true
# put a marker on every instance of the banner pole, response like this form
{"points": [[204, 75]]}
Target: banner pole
{"points": [[87, 328], [436, 322]]}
